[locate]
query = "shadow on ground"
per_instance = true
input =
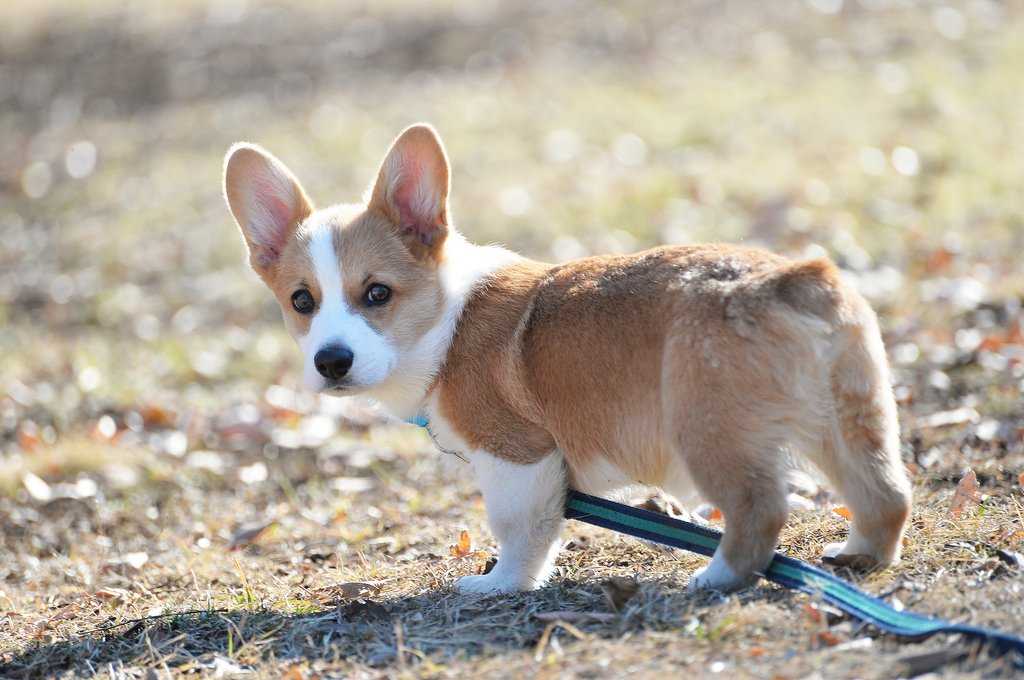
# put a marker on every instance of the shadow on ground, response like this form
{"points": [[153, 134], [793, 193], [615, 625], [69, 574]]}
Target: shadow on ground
{"points": [[377, 633]]}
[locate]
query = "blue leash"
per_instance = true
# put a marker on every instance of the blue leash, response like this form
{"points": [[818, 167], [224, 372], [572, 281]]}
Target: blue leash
{"points": [[786, 571]]}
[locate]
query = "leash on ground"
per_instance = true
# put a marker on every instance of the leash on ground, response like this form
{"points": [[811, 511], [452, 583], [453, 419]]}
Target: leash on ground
{"points": [[786, 571]]}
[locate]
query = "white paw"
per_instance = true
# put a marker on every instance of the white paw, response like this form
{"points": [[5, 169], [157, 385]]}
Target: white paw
{"points": [[847, 555], [490, 583], [718, 575], [833, 550]]}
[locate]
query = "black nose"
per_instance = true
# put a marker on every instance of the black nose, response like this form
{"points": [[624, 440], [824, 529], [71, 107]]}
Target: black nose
{"points": [[333, 361]]}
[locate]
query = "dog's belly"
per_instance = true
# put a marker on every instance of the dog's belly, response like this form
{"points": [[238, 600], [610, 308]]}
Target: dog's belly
{"points": [[598, 476]]}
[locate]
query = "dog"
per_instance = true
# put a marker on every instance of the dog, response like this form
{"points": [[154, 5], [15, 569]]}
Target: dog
{"points": [[700, 370]]}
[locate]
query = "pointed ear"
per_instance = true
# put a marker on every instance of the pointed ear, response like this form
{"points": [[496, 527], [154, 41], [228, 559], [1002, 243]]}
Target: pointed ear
{"points": [[267, 201], [412, 189]]}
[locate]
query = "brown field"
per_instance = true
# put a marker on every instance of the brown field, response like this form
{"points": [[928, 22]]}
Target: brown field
{"points": [[171, 503]]}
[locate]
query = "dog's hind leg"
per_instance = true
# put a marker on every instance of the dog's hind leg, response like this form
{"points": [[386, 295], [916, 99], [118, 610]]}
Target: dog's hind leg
{"points": [[861, 455], [753, 502]]}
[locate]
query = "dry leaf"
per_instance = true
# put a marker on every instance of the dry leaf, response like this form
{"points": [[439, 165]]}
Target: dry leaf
{"points": [[1020, 479], [154, 415], [824, 638], [293, 673], [843, 512], [820, 611], [249, 535], [813, 613], [113, 595], [462, 548], [967, 494], [618, 590], [708, 512], [28, 436]]}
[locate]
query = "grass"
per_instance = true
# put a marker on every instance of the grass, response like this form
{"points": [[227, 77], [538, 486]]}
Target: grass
{"points": [[156, 457]]}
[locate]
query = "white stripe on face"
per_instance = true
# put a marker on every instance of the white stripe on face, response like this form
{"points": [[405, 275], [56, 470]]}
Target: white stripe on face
{"points": [[336, 324]]}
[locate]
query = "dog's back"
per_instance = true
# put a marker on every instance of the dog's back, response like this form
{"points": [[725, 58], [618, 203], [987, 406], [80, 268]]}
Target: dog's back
{"points": [[698, 369]]}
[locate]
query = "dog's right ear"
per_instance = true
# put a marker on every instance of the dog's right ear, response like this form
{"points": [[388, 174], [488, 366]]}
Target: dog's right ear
{"points": [[267, 201]]}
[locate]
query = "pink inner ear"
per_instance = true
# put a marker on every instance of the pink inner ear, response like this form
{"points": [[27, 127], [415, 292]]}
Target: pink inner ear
{"points": [[404, 192], [281, 217], [416, 215]]}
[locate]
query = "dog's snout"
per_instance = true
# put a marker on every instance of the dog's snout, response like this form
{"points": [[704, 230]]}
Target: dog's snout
{"points": [[333, 361]]}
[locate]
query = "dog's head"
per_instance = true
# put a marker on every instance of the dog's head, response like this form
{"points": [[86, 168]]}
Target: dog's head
{"points": [[359, 285]]}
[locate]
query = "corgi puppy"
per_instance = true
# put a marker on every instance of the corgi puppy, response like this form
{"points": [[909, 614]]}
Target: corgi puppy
{"points": [[696, 369]]}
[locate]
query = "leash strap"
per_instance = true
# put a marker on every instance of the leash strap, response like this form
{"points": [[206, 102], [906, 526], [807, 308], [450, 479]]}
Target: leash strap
{"points": [[783, 570]]}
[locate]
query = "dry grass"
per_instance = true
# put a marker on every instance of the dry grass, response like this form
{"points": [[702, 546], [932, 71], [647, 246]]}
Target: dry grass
{"points": [[149, 421]]}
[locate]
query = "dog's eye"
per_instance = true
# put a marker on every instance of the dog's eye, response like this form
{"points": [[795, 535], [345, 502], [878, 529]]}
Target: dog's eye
{"points": [[377, 294], [302, 301]]}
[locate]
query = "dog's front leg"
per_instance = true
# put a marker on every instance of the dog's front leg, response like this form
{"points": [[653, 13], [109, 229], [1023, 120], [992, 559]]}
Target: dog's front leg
{"points": [[525, 506]]}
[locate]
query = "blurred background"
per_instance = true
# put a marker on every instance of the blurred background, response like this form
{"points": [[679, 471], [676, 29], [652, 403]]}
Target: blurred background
{"points": [[137, 347]]}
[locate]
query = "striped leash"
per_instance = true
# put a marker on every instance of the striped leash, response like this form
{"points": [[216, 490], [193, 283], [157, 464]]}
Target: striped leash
{"points": [[786, 571]]}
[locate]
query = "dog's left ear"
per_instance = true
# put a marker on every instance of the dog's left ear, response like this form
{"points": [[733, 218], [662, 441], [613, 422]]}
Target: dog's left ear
{"points": [[412, 189]]}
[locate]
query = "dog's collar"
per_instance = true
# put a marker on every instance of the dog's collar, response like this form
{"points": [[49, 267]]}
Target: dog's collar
{"points": [[419, 420]]}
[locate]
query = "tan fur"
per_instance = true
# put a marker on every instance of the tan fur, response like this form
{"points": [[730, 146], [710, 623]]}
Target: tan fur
{"points": [[724, 356], [372, 251]]}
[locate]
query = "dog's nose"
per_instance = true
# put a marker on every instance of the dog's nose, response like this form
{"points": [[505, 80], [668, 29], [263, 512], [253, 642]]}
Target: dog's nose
{"points": [[333, 361]]}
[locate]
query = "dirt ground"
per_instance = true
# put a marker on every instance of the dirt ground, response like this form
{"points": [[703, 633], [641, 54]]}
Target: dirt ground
{"points": [[172, 503]]}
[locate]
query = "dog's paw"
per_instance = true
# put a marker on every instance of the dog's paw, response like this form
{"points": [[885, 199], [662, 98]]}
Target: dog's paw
{"points": [[841, 555], [716, 576], [489, 583]]}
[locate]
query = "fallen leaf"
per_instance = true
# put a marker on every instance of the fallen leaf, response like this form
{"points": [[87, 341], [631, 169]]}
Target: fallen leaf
{"points": [[757, 652], [618, 590], [154, 415], [843, 512], [293, 673], [462, 548], [1020, 479], [249, 535], [574, 617], [708, 512], [967, 494], [113, 595], [825, 638], [821, 613], [28, 436]]}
